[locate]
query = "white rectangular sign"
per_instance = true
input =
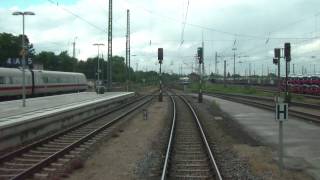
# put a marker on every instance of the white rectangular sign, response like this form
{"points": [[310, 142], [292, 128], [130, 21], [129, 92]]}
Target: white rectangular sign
{"points": [[282, 111]]}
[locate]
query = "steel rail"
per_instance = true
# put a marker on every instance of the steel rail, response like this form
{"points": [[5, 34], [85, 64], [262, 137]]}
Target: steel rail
{"points": [[296, 94], [166, 162], [273, 89], [299, 104], [43, 141], [30, 171], [26, 148], [204, 139]]}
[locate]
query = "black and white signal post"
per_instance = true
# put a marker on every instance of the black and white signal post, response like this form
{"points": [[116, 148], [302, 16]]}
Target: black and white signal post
{"points": [[160, 59], [282, 108], [200, 58]]}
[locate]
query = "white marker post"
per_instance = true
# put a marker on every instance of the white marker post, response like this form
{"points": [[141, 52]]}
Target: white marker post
{"points": [[281, 115]]}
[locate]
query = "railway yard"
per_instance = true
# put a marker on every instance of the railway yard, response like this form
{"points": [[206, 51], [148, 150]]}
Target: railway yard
{"points": [[120, 135], [159, 90]]}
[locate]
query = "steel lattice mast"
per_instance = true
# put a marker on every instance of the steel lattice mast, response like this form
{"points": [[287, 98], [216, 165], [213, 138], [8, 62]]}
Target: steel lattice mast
{"points": [[128, 50], [110, 47]]}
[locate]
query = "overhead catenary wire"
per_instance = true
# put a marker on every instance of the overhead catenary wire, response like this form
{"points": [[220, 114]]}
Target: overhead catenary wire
{"points": [[184, 24], [78, 16], [263, 37]]}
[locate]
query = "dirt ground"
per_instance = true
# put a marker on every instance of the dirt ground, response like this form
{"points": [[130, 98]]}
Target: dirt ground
{"points": [[239, 155], [127, 154]]}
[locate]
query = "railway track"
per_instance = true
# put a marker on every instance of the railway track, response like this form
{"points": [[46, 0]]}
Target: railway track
{"points": [[271, 100], [274, 89], [188, 153], [53, 154], [268, 104]]}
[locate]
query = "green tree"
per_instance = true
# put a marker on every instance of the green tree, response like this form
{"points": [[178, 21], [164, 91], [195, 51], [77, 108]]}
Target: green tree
{"points": [[53, 62], [66, 62], [10, 47], [48, 59], [89, 67]]}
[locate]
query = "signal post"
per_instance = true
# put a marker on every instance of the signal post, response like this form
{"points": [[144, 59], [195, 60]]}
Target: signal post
{"points": [[200, 58], [160, 59], [281, 110]]}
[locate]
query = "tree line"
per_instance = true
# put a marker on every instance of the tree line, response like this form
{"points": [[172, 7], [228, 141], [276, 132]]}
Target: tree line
{"points": [[10, 48]]}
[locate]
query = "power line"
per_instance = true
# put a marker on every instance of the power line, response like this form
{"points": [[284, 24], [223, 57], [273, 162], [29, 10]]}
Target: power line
{"points": [[184, 24], [214, 29], [295, 22], [77, 16]]}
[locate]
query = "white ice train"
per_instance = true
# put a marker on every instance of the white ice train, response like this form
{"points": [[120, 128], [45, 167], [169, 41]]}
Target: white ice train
{"points": [[39, 82]]}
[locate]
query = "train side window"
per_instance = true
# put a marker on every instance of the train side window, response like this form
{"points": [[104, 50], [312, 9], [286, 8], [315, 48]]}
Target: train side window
{"points": [[2, 80], [10, 80], [58, 80], [16, 80], [45, 79]]}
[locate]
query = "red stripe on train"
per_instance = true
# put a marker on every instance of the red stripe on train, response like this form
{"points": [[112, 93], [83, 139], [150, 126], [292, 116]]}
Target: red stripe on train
{"points": [[41, 87]]}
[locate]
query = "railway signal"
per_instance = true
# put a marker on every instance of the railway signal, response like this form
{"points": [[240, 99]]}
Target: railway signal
{"points": [[287, 51], [160, 59], [275, 61], [200, 55], [200, 58], [160, 55], [277, 53], [282, 108]]}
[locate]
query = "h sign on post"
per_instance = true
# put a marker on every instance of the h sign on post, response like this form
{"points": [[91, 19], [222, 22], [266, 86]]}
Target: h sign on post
{"points": [[282, 111]]}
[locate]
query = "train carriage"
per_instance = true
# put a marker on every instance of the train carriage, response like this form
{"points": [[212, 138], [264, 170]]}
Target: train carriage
{"points": [[40, 82], [11, 82]]}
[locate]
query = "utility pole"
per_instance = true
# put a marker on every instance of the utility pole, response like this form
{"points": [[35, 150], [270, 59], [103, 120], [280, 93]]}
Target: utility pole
{"points": [[192, 68], [200, 53], [23, 54], [202, 44], [110, 47], [74, 52], [234, 64], [74, 48], [293, 68], [216, 63], [160, 59], [249, 73], [128, 51], [224, 74], [98, 66]]}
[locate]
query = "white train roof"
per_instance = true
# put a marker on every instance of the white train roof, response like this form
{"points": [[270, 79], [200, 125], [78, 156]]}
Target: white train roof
{"points": [[17, 70]]}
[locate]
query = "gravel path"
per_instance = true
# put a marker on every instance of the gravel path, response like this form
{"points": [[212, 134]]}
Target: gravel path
{"points": [[129, 154], [239, 155]]}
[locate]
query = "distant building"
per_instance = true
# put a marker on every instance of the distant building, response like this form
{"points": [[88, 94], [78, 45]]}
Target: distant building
{"points": [[194, 77]]}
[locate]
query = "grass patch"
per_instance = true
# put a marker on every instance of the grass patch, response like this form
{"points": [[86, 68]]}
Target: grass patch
{"points": [[219, 88], [246, 90]]}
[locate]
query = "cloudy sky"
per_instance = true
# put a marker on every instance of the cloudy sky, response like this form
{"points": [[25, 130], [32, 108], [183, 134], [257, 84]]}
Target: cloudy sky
{"points": [[253, 27]]}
